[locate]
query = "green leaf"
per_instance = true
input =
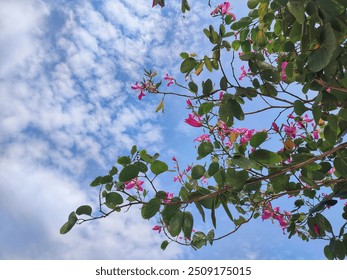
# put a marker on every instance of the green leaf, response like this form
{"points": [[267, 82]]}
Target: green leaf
{"points": [[72, 219], [223, 83], [201, 210], [339, 249], [175, 224], [208, 63], [84, 210], [297, 9], [124, 160], [213, 215], [244, 162], [188, 65], [330, 135], [158, 167], [224, 202], [226, 114], [113, 200], [193, 87], [328, 253], [320, 57], [237, 179], [96, 182], [198, 171], [213, 168], [199, 240], [106, 179], [265, 157], [279, 183], [151, 208], [268, 89], [188, 222], [236, 110], [205, 148], [299, 107], [210, 236], [258, 138], [128, 173], [252, 4], [340, 163], [207, 87], [113, 171], [164, 244]]}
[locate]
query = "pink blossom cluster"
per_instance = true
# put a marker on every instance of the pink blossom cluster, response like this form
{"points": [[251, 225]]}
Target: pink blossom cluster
{"points": [[145, 86], [223, 9], [170, 80], [135, 183], [275, 214], [283, 70], [291, 130]]}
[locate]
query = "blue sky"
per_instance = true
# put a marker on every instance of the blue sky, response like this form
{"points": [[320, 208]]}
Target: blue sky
{"points": [[67, 112]]}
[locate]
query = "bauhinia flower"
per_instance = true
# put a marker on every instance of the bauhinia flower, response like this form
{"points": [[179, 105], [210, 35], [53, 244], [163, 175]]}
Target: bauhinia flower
{"points": [[275, 127], [134, 183], [243, 73], [203, 137], [283, 70], [139, 88], [158, 228], [168, 197], [189, 103], [194, 120], [290, 130], [223, 9], [170, 80]]}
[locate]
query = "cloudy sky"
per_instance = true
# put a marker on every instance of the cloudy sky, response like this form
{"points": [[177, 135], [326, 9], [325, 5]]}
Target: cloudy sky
{"points": [[67, 112]]}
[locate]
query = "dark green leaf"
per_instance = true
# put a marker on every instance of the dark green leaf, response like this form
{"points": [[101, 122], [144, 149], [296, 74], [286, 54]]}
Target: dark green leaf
{"points": [[330, 135], [265, 157], [106, 179], [205, 148], [66, 228], [299, 107], [193, 87], [113, 200], [207, 87], [213, 215], [113, 171], [151, 208], [279, 183], [201, 210], [252, 4], [84, 210], [244, 162], [128, 173], [199, 240], [224, 202], [188, 222], [213, 168], [164, 244], [188, 65], [96, 182], [175, 224], [236, 109], [198, 171], [340, 163], [158, 167], [258, 138], [124, 160], [297, 9], [210, 236], [223, 83]]}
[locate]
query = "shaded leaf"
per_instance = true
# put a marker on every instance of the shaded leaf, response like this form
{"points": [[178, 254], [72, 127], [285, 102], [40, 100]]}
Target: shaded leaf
{"points": [[151, 208], [84, 210]]}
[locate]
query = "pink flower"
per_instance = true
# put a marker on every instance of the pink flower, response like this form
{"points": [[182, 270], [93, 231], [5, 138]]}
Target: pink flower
{"points": [[223, 9], [243, 73], [188, 168], [275, 127], [134, 183], [139, 88], [170, 79], [331, 171], [189, 103], [193, 120], [168, 198], [283, 70], [158, 228], [315, 134], [174, 159], [178, 178], [203, 137], [221, 95], [247, 136], [328, 90], [266, 215], [290, 130]]}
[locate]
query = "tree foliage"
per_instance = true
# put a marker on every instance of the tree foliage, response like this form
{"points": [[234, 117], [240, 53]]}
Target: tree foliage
{"points": [[296, 55]]}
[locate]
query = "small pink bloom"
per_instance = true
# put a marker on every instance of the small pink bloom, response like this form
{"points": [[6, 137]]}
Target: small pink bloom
{"points": [[221, 95], [331, 171], [174, 159], [290, 130], [315, 134], [134, 183], [188, 168], [158, 228], [316, 229], [170, 79], [328, 90], [189, 103], [266, 215], [178, 178], [283, 70], [275, 127], [142, 94], [243, 73], [193, 120], [168, 198], [203, 137]]}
